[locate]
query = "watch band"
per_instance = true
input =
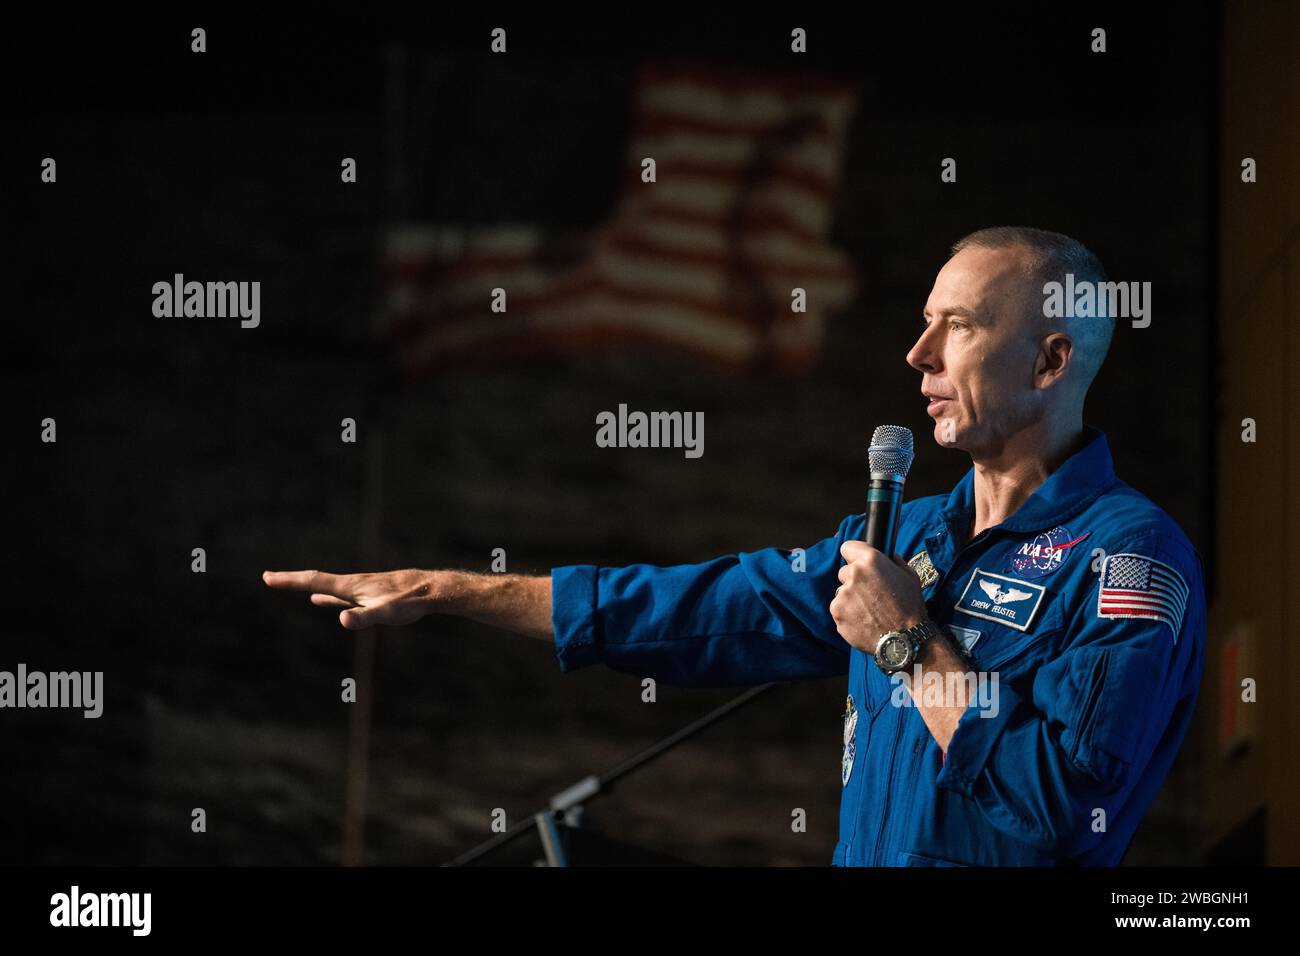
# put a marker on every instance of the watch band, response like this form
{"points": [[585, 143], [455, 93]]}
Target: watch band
{"points": [[925, 632], [957, 647], [922, 636]]}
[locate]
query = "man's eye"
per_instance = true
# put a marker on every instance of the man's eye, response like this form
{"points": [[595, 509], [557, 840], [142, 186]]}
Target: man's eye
{"points": [[957, 325]]}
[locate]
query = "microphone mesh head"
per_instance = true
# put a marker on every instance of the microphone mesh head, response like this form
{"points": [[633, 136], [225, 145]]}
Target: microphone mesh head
{"points": [[891, 450]]}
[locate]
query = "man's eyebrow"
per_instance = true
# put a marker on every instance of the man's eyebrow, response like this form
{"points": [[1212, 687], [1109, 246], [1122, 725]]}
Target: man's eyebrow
{"points": [[958, 310]]}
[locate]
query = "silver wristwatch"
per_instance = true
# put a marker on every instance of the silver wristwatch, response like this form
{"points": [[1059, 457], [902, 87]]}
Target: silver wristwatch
{"points": [[899, 650]]}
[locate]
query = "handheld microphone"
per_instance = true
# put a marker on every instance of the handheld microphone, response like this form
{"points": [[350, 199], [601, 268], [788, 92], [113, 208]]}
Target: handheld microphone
{"points": [[890, 457]]}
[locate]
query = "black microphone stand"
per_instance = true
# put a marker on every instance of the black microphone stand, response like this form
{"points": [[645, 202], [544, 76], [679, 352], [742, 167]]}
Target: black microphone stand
{"points": [[565, 808]]}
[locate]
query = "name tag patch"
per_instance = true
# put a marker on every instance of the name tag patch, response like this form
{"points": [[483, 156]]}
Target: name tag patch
{"points": [[995, 597]]}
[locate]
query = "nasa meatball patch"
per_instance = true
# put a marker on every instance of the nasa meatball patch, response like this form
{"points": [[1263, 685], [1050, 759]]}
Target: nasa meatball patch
{"points": [[995, 597], [1043, 553]]}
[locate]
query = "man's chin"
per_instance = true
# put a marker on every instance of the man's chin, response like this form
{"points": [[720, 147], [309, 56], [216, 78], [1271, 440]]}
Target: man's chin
{"points": [[946, 433]]}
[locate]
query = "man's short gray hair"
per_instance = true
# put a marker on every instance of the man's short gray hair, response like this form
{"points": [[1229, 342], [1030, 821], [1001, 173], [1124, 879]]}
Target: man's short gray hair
{"points": [[1052, 256]]}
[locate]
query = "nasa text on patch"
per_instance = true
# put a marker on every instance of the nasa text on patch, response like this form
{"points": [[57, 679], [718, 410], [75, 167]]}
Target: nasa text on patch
{"points": [[1043, 553], [995, 597]]}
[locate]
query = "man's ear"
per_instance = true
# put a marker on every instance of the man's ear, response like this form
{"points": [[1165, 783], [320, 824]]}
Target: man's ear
{"points": [[1054, 356]]}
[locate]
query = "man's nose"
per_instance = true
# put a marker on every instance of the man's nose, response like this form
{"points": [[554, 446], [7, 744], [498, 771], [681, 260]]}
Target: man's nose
{"points": [[922, 355]]}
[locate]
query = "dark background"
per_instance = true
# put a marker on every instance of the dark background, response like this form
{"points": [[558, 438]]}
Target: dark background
{"points": [[176, 434]]}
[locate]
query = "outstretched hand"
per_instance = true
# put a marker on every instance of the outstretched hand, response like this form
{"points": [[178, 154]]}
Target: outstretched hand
{"points": [[364, 599]]}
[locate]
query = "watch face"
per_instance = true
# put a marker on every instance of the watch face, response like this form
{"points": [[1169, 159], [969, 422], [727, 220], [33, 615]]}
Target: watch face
{"points": [[893, 650]]}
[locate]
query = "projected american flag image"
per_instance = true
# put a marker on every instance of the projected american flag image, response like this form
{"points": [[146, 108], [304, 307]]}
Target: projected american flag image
{"points": [[703, 261]]}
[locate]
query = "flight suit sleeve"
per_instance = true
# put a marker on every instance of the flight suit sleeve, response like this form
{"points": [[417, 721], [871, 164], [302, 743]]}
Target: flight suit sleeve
{"points": [[741, 619], [1075, 735]]}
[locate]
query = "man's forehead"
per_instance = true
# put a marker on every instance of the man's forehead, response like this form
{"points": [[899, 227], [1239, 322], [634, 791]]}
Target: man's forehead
{"points": [[978, 281]]}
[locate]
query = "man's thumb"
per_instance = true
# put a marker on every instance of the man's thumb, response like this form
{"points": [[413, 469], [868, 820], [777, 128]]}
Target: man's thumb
{"points": [[357, 619]]}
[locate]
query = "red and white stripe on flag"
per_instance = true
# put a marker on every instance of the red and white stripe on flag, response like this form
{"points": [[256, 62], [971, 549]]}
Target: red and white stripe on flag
{"points": [[705, 258], [1133, 585]]}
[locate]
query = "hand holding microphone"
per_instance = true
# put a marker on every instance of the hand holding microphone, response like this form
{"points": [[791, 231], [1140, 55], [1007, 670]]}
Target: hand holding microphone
{"points": [[879, 592]]}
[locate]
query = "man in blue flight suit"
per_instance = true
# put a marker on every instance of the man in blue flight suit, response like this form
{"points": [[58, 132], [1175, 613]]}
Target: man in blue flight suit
{"points": [[1017, 689]]}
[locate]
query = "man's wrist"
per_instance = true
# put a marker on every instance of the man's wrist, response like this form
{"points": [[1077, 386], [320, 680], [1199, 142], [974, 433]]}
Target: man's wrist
{"points": [[449, 592], [943, 647], [936, 637]]}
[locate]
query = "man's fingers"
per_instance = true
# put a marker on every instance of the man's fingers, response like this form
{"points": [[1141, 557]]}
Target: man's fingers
{"points": [[329, 600], [306, 581]]}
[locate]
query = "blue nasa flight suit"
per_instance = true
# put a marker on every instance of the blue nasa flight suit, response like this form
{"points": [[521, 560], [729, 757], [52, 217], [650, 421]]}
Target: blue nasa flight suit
{"points": [[1087, 604]]}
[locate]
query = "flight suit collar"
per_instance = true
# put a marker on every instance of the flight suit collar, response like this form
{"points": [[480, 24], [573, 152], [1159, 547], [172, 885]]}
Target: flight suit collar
{"points": [[1080, 480]]}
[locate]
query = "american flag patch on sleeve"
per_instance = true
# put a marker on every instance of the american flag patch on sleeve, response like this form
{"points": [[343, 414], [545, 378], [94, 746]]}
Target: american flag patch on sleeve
{"points": [[1137, 586]]}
